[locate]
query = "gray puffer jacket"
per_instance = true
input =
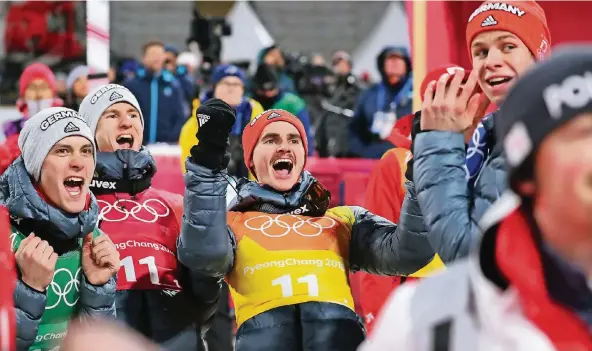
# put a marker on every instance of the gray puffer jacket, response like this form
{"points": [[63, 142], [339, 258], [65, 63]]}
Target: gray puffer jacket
{"points": [[451, 209], [30, 213]]}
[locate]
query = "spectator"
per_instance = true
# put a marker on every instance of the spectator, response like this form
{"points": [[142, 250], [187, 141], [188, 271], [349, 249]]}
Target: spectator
{"points": [[271, 96], [77, 86], [180, 72], [527, 287], [37, 89], [273, 56], [160, 96], [382, 104], [229, 86], [331, 129]]}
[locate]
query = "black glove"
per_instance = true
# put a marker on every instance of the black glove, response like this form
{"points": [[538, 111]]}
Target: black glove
{"points": [[415, 129], [215, 119]]}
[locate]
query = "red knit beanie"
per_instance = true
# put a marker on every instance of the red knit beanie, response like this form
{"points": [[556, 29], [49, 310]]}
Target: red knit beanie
{"points": [[36, 71], [253, 130], [525, 19]]}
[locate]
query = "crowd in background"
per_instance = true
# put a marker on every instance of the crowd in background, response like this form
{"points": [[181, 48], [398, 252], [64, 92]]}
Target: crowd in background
{"points": [[344, 115]]}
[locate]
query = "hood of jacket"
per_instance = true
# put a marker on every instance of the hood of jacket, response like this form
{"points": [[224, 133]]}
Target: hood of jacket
{"points": [[19, 195], [123, 171], [304, 196], [382, 57]]}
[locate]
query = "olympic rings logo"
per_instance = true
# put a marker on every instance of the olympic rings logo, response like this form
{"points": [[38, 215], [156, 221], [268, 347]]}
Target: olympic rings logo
{"points": [[310, 227], [153, 213], [56, 289]]}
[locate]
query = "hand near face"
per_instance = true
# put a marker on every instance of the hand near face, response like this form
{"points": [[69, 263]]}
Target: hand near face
{"points": [[453, 108], [100, 259]]}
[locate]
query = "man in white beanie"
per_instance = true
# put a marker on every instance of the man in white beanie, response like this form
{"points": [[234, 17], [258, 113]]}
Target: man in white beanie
{"points": [[66, 265], [155, 294]]}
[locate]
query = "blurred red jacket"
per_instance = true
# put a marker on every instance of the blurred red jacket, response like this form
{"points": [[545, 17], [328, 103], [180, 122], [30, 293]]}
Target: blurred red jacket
{"points": [[7, 321], [384, 197], [9, 151]]}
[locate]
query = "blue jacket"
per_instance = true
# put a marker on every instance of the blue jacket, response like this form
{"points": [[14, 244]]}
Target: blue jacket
{"points": [[187, 83], [163, 105], [374, 102], [451, 209], [19, 195]]}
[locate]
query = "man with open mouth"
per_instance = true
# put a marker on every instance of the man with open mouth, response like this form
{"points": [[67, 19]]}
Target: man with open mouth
{"points": [[284, 253], [66, 265], [153, 290]]}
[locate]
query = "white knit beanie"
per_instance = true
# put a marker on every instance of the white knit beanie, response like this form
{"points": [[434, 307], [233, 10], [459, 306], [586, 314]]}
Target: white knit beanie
{"points": [[100, 99], [42, 131]]}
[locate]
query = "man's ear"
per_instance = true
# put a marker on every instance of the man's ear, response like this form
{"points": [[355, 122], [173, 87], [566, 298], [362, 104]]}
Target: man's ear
{"points": [[527, 188]]}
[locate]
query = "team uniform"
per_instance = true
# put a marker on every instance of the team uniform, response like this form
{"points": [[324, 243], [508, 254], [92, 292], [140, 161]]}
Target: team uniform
{"points": [[144, 224], [288, 273]]}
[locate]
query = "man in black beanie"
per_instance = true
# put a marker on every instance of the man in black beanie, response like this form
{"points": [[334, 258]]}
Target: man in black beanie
{"points": [[267, 91], [529, 283]]}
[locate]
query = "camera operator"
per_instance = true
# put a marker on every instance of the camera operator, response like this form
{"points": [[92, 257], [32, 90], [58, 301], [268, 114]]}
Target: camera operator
{"points": [[337, 109]]}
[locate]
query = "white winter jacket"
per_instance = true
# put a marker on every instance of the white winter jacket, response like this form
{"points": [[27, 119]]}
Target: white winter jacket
{"points": [[484, 318]]}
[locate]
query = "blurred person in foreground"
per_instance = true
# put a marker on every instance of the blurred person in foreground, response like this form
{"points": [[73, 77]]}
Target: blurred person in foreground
{"points": [[155, 294], [101, 336], [65, 264], [382, 104], [161, 97], [527, 287], [459, 174], [77, 87], [228, 85], [285, 254], [271, 96]]}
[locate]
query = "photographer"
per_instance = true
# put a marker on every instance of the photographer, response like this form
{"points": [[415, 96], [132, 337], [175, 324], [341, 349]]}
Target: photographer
{"points": [[273, 56], [267, 90], [331, 129]]}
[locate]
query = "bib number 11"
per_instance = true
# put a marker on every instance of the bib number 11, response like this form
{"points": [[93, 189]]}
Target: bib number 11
{"points": [[130, 272], [285, 282]]}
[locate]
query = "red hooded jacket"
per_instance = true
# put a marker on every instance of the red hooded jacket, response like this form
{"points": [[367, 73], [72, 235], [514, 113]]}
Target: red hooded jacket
{"points": [[384, 197]]}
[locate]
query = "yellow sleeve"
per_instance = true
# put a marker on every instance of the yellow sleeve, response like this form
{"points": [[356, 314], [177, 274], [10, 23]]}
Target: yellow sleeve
{"points": [[256, 110], [187, 138]]}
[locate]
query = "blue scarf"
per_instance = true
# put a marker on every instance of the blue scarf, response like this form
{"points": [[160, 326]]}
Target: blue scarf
{"points": [[477, 151]]}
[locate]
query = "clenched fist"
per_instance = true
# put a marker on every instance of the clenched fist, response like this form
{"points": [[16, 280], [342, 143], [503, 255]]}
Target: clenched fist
{"points": [[215, 119], [100, 259], [36, 261]]}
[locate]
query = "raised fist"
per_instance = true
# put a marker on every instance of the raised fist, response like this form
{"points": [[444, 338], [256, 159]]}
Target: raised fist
{"points": [[215, 119], [100, 259], [36, 261]]}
